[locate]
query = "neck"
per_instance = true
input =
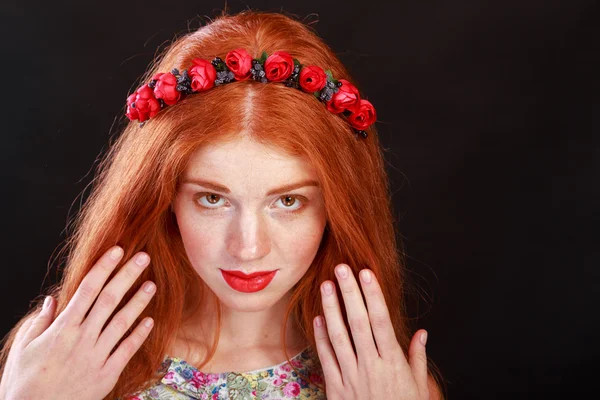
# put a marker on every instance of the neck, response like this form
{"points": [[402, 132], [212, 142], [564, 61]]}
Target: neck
{"points": [[245, 330]]}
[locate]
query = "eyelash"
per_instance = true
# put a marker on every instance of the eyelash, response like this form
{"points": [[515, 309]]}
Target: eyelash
{"points": [[296, 197]]}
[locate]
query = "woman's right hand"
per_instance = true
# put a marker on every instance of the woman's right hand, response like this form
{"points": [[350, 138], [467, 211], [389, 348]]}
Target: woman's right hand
{"points": [[69, 357]]}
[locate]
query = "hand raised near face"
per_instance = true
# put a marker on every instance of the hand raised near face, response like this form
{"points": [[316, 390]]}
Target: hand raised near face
{"points": [[379, 370], [69, 357]]}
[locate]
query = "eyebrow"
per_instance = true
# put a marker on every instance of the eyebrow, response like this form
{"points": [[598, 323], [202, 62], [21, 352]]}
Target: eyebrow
{"points": [[279, 190]]}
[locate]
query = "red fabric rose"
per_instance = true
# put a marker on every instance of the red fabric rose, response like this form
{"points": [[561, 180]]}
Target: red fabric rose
{"points": [[203, 75], [279, 66], [364, 116], [347, 98], [146, 105], [312, 78], [239, 61], [131, 113], [165, 88]]}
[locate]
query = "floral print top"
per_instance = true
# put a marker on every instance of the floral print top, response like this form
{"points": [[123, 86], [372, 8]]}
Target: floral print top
{"points": [[182, 381]]}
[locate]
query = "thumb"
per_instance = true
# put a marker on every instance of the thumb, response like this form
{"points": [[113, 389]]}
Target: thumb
{"points": [[41, 322]]}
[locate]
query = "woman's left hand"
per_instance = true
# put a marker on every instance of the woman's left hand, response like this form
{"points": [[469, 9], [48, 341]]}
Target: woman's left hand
{"points": [[381, 371]]}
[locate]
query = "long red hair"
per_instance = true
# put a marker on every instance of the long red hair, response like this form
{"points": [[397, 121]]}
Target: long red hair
{"points": [[139, 176]]}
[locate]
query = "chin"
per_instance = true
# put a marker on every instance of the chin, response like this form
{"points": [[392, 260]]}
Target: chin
{"points": [[249, 303]]}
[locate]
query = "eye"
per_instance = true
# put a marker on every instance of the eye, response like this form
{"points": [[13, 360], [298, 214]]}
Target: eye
{"points": [[290, 202], [211, 200]]}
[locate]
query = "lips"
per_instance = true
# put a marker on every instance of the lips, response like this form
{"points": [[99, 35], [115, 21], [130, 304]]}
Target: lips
{"points": [[248, 283], [246, 276]]}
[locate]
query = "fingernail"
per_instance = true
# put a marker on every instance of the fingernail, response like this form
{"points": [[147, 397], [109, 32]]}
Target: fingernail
{"points": [[342, 271], [327, 288], [318, 321], [365, 275], [149, 287], [116, 253], [142, 259], [423, 338], [46, 303]]}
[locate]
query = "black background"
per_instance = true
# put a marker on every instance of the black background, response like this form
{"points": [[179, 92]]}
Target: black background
{"points": [[489, 113]]}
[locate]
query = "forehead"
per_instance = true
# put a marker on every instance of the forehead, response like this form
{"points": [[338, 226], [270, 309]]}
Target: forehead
{"points": [[243, 159]]}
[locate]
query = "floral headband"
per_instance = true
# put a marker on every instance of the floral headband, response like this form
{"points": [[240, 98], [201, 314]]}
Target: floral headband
{"points": [[166, 89]]}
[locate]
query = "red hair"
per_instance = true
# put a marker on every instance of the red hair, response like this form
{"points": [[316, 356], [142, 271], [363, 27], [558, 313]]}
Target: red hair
{"points": [[139, 176]]}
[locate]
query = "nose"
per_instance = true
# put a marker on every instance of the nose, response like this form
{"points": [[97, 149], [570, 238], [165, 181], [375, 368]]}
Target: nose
{"points": [[248, 239]]}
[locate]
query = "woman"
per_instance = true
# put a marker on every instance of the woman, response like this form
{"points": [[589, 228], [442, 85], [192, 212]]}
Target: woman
{"points": [[249, 153]]}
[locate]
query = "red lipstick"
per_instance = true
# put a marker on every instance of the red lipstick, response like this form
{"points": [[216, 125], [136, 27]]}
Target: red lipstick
{"points": [[253, 282]]}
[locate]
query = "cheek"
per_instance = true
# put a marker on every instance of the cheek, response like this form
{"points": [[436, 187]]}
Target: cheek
{"points": [[301, 241], [201, 239]]}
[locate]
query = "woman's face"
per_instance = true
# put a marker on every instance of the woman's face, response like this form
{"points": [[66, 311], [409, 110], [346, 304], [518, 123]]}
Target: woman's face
{"points": [[248, 207]]}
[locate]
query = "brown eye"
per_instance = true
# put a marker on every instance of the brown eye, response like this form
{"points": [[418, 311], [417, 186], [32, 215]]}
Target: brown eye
{"points": [[208, 200], [291, 203], [288, 200], [213, 198]]}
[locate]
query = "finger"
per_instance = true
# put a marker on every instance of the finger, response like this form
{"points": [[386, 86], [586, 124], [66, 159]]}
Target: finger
{"points": [[379, 315], [119, 359], [337, 332], [23, 330], [40, 322], [417, 358], [112, 295], [358, 318], [327, 359], [15, 349], [90, 286], [121, 322]]}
